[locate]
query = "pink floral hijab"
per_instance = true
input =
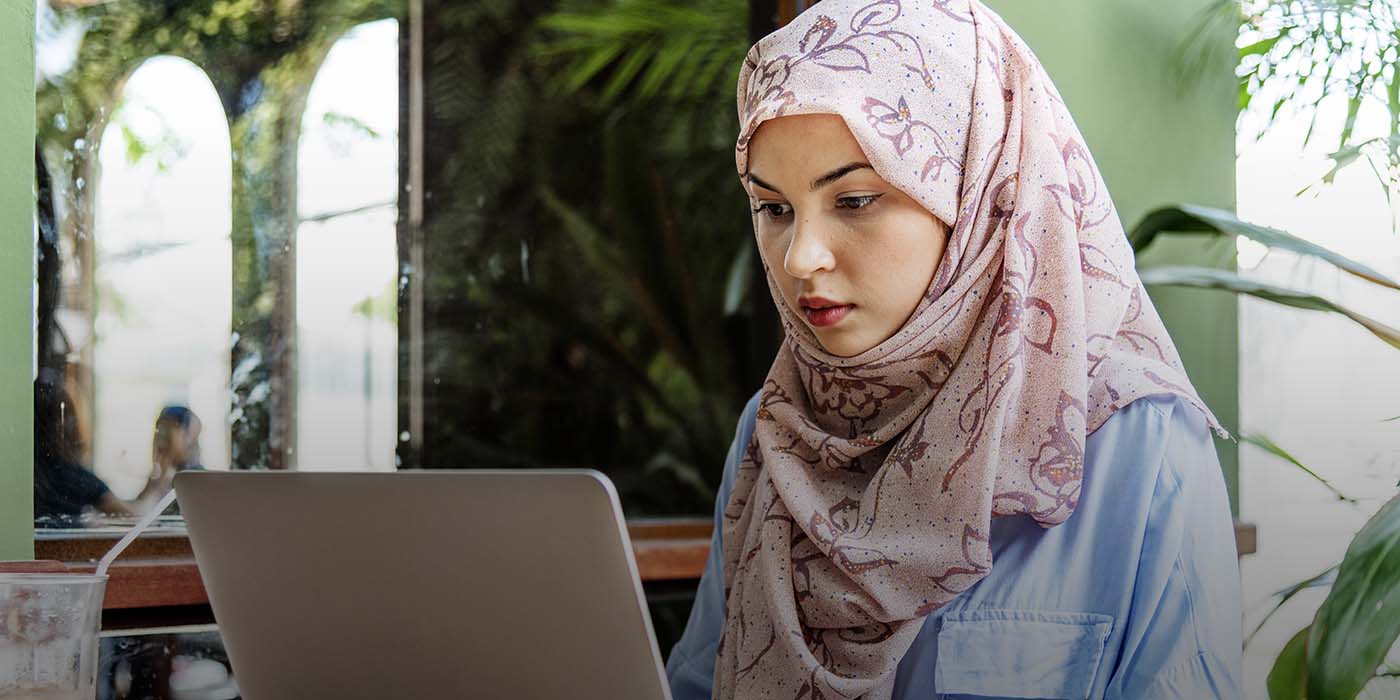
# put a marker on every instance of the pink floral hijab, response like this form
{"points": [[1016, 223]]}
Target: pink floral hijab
{"points": [[865, 497]]}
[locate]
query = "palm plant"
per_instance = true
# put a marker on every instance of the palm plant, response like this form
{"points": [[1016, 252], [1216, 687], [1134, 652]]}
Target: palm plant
{"points": [[1343, 650], [1294, 55], [679, 58], [660, 75]]}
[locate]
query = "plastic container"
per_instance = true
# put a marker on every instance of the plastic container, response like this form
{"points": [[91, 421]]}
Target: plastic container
{"points": [[48, 635]]}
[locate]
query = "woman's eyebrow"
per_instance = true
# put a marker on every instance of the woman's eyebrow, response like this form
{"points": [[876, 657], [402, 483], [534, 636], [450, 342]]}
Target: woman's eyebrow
{"points": [[754, 179], [820, 182], [837, 174]]}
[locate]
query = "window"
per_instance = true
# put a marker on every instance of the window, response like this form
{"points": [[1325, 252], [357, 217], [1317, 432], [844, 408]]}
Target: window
{"points": [[388, 235], [160, 251], [409, 232], [347, 286]]}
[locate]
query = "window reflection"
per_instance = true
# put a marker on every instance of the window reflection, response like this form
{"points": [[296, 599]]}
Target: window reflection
{"points": [[347, 291], [185, 665], [347, 237], [217, 186], [162, 268]]}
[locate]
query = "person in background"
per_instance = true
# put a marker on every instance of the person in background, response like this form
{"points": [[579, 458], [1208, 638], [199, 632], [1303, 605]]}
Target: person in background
{"points": [[64, 489], [174, 446]]}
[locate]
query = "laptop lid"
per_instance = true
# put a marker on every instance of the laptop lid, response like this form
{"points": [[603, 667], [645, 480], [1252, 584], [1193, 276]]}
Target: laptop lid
{"points": [[423, 584]]}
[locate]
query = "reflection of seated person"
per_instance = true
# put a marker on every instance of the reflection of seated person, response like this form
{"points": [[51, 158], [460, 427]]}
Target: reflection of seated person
{"points": [[64, 489], [174, 447]]}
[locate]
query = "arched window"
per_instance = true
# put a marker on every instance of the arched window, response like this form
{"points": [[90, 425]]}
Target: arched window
{"points": [[162, 269], [347, 342]]}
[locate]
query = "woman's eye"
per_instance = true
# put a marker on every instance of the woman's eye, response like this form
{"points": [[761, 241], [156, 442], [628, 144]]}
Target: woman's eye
{"points": [[773, 210], [857, 202]]}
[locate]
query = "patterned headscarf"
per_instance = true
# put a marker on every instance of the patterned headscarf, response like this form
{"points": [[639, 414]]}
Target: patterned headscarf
{"points": [[865, 497]]}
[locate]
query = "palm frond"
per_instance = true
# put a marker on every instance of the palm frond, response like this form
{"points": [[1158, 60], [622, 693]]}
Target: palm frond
{"points": [[1211, 278], [1264, 443], [1190, 218], [647, 50]]}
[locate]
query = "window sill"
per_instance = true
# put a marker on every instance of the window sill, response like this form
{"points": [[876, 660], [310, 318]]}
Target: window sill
{"points": [[159, 571]]}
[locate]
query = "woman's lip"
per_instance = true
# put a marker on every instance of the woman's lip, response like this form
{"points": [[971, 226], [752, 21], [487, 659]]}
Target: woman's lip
{"points": [[828, 316], [816, 302]]}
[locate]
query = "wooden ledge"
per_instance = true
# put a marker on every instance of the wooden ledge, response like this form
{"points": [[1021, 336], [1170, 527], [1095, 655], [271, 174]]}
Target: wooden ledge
{"points": [[158, 571]]}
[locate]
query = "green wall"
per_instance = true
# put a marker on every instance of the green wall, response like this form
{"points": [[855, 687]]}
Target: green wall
{"points": [[16, 278], [1157, 142]]}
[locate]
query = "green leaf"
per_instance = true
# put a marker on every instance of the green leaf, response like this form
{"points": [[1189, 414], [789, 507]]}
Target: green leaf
{"points": [[1260, 47], [136, 149], [1352, 153], [1360, 619], [349, 123], [1211, 278], [663, 69], [613, 268], [1191, 218], [1325, 578], [702, 79], [626, 70], [1264, 443], [591, 66], [1353, 106], [1289, 676], [1312, 123], [649, 49]]}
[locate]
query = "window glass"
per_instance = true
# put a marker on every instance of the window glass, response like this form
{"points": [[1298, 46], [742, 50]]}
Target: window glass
{"points": [[378, 234], [347, 287], [160, 269], [345, 235]]}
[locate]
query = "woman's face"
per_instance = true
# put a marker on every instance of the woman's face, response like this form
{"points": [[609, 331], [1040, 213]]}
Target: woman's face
{"points": [[852, 254], [183, 446]]}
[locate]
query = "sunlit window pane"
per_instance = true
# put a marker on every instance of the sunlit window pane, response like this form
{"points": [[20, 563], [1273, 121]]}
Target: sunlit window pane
{"points": [[162, 270], [346, 257]]}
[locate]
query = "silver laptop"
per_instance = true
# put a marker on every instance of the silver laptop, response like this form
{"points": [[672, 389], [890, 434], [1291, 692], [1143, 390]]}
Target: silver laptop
{"points": [[423, 584]]}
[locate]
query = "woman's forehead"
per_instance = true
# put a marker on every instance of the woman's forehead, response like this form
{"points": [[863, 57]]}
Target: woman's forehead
{"points": [[803, 142], [901, 75]]}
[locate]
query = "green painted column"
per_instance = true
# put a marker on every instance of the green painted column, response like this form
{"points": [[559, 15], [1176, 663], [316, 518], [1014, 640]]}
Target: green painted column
{"points": [[1157, 142], [16, 279]]}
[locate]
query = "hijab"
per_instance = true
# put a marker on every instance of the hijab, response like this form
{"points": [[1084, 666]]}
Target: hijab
{"points": [[864, 498]]}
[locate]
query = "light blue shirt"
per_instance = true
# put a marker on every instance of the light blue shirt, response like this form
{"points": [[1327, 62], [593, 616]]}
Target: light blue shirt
{"points": [[1135, 597]]}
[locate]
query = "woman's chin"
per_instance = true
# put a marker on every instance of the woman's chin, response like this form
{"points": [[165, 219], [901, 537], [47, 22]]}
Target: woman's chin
{"points": [[842, 342]]}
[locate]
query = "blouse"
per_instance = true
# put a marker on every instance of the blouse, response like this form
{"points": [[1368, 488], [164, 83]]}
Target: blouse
{"points": [[1135, 596]]}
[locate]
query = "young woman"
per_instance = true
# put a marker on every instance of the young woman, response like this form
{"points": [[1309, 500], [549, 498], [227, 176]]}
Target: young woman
{"points": [[977, 467]]}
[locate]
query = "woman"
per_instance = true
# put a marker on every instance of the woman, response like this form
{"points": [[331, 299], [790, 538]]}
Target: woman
{"points": [[972, 374], [174, 447]]}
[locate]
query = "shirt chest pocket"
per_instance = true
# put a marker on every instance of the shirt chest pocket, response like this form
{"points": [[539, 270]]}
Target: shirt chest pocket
{"points": [[1019, 654]]}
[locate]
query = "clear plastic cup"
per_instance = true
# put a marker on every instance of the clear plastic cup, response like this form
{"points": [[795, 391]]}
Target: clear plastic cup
{"points": [[48, 635]]}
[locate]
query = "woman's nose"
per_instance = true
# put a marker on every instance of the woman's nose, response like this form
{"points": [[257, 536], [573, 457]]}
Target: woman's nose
{"points": [[808, 251]]}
